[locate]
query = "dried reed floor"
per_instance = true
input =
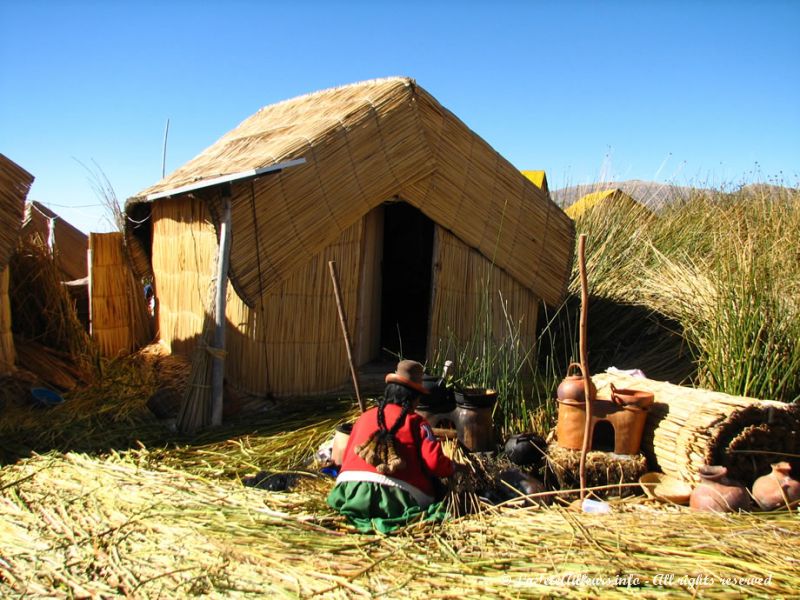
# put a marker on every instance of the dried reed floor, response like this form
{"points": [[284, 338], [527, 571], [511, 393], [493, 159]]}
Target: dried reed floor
{"points": [[173, 520]]}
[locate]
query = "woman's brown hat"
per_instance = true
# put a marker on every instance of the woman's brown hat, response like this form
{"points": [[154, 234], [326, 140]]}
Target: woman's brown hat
{"points": [[408, 373]]}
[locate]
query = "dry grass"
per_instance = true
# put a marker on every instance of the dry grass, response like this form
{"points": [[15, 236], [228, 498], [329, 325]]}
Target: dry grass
{"points": [[174, 522]]}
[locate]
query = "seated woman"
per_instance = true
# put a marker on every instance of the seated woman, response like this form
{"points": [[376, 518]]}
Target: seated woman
{"points": [[392, 460]]}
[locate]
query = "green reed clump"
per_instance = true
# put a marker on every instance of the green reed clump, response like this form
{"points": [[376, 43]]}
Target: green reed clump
{"points": [[724, 267]]}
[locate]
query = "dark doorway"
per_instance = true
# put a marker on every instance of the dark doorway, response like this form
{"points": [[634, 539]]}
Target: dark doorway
{"points": [[406, 276], [603, 437]]}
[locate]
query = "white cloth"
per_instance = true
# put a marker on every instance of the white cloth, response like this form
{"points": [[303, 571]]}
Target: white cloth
{"points": [[421, 497]]}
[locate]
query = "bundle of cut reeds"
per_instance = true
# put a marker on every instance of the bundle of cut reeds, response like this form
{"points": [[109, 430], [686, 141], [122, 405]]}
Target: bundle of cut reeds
{"points": [[7, 354], [195, 410], [42, 308], [689, 427]]}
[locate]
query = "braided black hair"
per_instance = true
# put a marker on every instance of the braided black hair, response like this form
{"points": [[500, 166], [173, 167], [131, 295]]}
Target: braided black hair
{"points": [[380, 449], [395, 394]]}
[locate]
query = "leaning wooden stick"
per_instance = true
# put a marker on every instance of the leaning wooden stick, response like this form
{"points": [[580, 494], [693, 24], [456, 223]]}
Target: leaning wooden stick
{"points": [[587, 430], [343, 320]]}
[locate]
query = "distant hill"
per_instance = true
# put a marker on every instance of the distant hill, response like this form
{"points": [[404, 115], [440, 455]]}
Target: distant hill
{"points": [[656, 195]]}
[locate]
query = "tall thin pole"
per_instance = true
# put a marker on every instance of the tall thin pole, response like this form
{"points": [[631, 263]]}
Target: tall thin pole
{"points": [[348, 344], [584, 357], [164, 151], [218, 352]]}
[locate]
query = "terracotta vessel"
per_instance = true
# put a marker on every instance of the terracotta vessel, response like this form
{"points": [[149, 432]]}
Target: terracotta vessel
{"points": [[777, 489], [717, 493], [632, 398], [340, 439], [571, 387]]}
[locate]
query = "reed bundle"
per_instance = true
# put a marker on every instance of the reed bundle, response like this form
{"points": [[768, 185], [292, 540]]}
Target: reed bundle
{"points": [[689, 427], [139, 524], [7, 354], [42, 308], [15, 182], [196, 407], [137, 257], [120, 321]]}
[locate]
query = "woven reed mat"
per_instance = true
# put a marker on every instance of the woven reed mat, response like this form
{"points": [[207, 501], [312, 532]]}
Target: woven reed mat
{"points": [[689, 427]]}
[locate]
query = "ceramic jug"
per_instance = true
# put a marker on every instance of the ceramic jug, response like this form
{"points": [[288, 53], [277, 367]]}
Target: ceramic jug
{"points": [[777, 489], [717, 493], [571, 387]]}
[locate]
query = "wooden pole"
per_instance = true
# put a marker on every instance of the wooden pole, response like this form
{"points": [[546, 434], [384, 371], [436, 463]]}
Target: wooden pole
{"points": [[584, 353], [343, 321], [218, 352]]}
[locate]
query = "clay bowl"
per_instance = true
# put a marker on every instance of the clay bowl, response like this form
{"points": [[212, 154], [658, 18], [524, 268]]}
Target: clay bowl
{"points": [[632, 398], [665, 488]]}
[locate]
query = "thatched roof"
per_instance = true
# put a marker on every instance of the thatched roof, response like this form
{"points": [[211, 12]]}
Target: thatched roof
{"points": [[15, 183], [364, 144], [615, 197], [70, 242]]}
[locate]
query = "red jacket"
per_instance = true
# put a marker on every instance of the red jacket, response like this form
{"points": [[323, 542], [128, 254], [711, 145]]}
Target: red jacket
{"points": [[422, 462]]}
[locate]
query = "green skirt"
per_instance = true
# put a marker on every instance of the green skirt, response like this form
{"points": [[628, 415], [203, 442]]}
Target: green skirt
{"points": [[371, 506]]}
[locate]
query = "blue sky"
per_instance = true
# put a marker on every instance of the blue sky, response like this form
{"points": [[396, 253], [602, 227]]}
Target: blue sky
{"points": [[705, 93]]}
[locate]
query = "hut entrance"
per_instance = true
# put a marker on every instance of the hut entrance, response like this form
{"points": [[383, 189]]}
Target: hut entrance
{"points": [[406, 281]]}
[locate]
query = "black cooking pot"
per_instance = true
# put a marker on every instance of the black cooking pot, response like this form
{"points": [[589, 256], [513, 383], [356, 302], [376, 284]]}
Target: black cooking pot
{"points": [[526, 449], [439, 398], [475, 398]]}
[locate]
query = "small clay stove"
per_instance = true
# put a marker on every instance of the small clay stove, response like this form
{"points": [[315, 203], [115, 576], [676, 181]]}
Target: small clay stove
{"points": [[624, 414]]}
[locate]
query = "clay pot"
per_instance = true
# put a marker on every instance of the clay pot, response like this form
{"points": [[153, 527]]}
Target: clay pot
{"points": [[473, 418], [632, 398], [571, 387], [717, 493], [777, 489], [340, 439]]}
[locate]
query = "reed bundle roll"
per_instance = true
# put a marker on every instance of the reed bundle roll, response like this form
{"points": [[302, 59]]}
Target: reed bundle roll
{"points": [[688, 427]]}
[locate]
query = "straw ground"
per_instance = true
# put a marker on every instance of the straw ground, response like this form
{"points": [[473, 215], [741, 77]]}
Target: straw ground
{"points": [[177, 521]]}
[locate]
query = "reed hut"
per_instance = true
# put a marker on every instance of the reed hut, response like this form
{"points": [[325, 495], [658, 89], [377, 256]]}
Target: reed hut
{"points": [[15, 183], [435, 236], [67, 243], [539, 179], [603, 199]]}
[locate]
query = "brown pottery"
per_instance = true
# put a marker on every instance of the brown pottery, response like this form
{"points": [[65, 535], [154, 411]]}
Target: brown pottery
{"points": [[571, 387], [717, 493], [778, 488]]}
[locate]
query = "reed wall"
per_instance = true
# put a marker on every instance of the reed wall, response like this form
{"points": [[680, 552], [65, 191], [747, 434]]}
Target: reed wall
{"points": [[15, 182], [119, 319], [473, 298], [71, 243], [290, 341], [7, 353]]}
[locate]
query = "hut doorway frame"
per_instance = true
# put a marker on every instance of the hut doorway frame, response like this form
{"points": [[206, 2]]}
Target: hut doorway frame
{"points": [[380, 249]]}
